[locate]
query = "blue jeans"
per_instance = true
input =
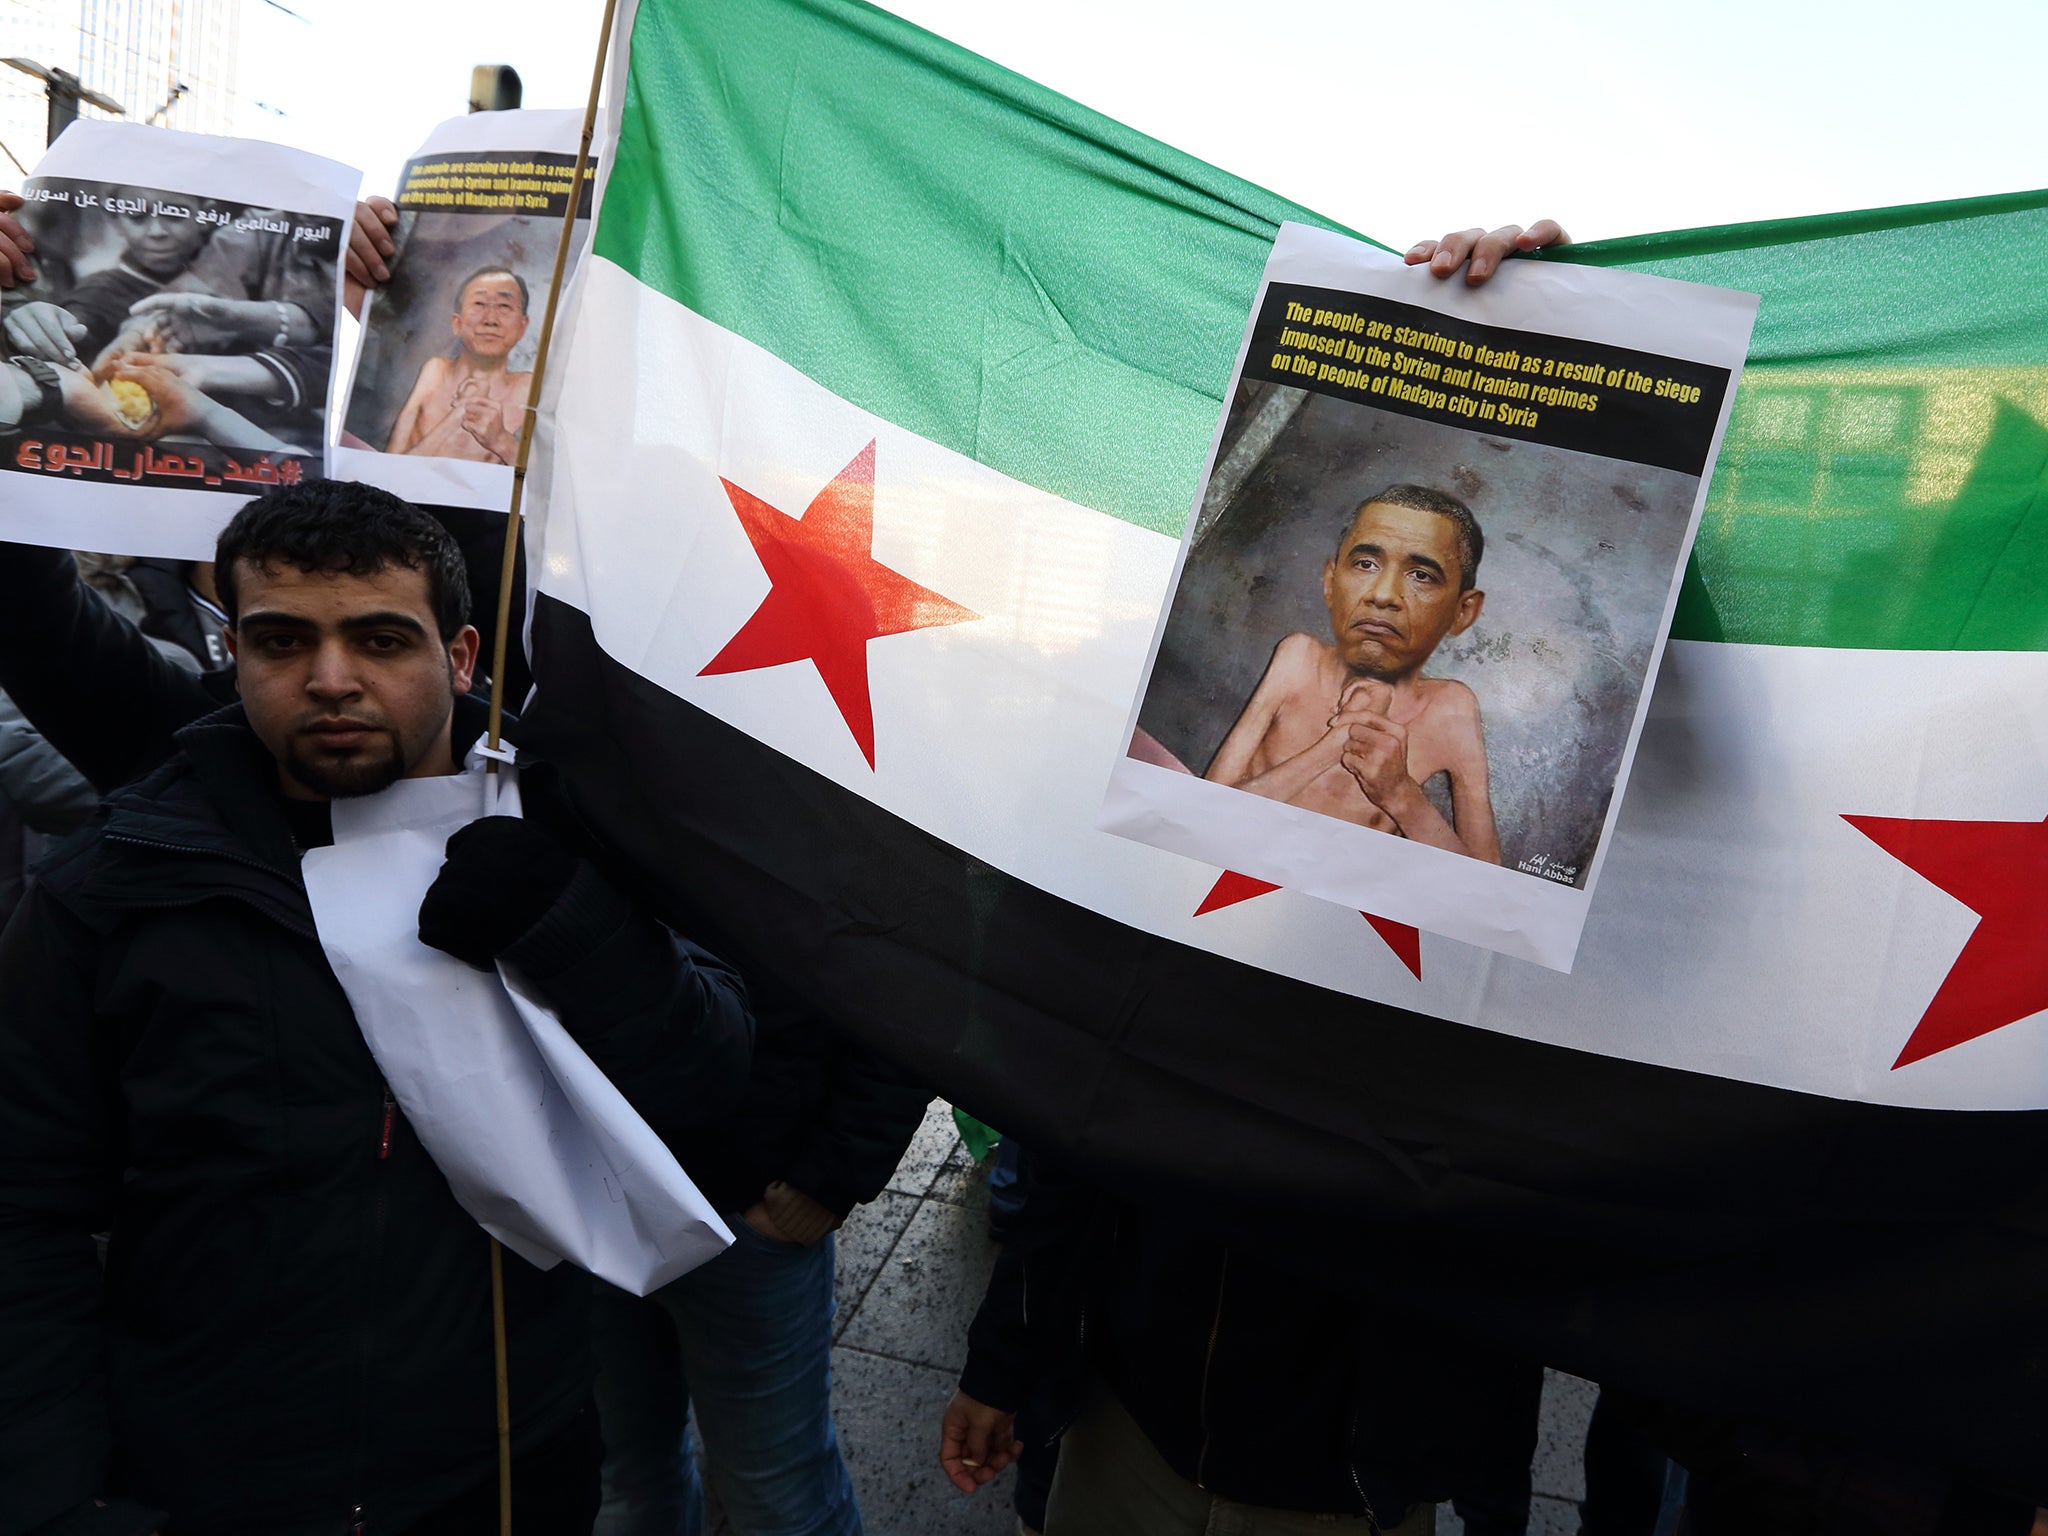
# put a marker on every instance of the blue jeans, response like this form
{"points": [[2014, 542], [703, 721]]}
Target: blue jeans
{"points": [[746, 1342]]}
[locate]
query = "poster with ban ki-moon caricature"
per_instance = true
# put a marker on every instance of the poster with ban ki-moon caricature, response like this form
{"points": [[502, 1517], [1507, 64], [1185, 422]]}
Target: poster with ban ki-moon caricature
{"points": [[175, 353], [1426, 584], [441, 383]]}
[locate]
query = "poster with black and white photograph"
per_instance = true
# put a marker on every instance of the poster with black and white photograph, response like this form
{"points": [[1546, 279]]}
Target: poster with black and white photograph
{"points": [[1426, 585], [175, 353], [439, 394]]}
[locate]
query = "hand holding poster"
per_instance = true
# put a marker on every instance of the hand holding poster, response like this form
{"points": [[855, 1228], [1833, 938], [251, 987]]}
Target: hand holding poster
{"points": [[178, 341], [440, 388], [1431, 571]]}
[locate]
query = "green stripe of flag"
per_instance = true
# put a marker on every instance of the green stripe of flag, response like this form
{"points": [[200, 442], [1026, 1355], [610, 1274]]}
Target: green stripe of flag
{"points": [[969, 255], [1882, 485], [1002, 271]]}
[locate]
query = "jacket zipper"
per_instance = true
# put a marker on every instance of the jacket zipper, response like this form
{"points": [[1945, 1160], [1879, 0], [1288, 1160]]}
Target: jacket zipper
{"points": [[204, 853], [365, 1348], [276, 912], [1351, 1466], [1208, 1364]]}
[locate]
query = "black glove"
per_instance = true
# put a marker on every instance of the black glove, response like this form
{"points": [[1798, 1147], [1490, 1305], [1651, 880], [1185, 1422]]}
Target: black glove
{"points": [[501, 877]]}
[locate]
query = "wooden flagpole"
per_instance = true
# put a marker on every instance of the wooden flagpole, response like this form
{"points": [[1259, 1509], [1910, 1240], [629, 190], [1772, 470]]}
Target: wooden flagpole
{"points": [[540, 370], [499, 640]]}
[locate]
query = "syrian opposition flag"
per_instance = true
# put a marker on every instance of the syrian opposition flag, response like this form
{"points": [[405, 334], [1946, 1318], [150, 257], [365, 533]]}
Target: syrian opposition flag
{"points": [[878, 414]]}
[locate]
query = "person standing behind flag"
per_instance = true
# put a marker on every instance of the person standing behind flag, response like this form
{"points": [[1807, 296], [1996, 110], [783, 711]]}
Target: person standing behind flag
{"points": [[1199, 1386], [1747, 1476]]}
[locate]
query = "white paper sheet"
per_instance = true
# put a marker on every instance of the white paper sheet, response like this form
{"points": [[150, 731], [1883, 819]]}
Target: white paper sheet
{"points": [[468, 200], [535, 1141], [1572, 414], [267, 224]]}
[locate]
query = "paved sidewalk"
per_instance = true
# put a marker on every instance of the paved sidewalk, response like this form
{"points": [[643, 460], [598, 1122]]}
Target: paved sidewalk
{"points": [[912, 1265], [911, 1270]]}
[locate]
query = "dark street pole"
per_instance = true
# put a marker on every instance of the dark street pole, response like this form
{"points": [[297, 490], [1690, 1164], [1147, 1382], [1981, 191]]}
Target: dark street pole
{"points": [[64, 91], [63, 96]]}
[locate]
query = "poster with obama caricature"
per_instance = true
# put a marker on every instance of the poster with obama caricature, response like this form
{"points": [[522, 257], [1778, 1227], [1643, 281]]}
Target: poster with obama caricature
{"points": [[1426, 586], [441, 382]]}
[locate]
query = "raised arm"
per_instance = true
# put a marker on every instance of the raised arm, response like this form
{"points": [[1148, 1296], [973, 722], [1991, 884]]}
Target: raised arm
{"points": [[87, 679], [370, 251], [16, 244]]}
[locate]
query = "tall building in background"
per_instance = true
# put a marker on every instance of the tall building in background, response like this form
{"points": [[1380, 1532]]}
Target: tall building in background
{"points": [[139, 52]]}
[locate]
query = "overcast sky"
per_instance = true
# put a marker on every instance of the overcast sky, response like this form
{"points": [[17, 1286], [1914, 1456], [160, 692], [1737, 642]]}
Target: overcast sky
{"points": [[1616, 116]]}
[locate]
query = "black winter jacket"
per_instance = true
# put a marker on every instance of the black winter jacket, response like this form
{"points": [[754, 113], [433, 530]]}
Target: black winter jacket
{"points": [[1254, 1380], [293, 1331], [1755, 1478], [819, 1110]]}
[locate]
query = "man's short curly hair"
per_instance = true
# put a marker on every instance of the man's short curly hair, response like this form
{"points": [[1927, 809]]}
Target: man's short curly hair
{"points": [[349, 529], [1422, 498]]}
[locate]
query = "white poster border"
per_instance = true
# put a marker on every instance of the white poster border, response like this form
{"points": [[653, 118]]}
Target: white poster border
{"points": [[1511, 912], [437, 481], [174, 522]]}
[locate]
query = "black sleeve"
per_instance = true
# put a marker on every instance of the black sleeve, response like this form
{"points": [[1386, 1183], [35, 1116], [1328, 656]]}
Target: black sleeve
{"points": [[59, 1173], [871, 1110], [1746, 1475], [300, 375], [666, 1021], [115, 1517], [1028, 1328], [84, 677]]}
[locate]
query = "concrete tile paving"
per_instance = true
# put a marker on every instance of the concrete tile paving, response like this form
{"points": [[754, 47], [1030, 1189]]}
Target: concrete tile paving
{"points": [[888, 1412], [928, 1151], [920, 1305], [1560, 1466], [864, 1245]]}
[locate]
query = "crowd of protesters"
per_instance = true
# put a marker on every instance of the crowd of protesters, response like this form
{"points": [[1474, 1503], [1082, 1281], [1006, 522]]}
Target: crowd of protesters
{"points": [[237, 1296]]}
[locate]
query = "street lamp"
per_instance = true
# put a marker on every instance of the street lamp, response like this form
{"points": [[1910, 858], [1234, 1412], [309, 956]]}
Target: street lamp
{"points": [[494, 88], [65, 93]]}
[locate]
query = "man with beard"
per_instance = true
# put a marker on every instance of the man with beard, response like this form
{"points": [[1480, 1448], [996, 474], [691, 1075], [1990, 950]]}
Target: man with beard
{"points": [[293, 1330], [468, 406]]}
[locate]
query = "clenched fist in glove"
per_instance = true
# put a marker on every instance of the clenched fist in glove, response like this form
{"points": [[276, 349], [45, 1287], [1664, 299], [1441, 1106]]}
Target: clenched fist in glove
{"points": [[502, 876], [665, 1021]]}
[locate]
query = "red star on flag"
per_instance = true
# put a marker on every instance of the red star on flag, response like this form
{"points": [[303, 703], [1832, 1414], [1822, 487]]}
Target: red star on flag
{"points": [[1231, 888], [1999, 870], [828, 596]]}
